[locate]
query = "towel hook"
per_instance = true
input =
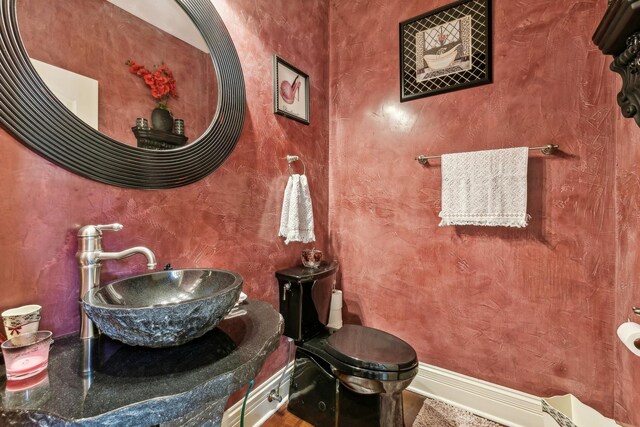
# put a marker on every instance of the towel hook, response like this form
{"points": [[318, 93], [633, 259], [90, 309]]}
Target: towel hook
{"points": [[291, 158]]}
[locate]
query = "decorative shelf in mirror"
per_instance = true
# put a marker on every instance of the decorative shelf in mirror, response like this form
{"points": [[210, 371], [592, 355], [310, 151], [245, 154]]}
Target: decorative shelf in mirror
{"points": [[36, 117], [618, 34], [157, 139]]}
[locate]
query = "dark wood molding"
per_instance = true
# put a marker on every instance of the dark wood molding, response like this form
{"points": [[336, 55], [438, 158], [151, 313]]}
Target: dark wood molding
{"points": [[627, 65], [618, 34], [33, 115], [154, 139], [621, 20]]}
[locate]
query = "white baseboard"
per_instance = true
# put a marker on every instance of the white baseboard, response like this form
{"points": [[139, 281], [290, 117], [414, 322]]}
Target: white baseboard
{"points": [[258, 408], [497, 403]]}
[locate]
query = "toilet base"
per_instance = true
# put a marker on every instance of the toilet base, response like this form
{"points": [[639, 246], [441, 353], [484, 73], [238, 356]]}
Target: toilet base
{"points": [[388, 392], [319, 398], [391, 410]]}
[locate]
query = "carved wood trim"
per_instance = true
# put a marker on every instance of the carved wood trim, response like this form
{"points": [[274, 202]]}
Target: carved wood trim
{"points": [[627, 64], [618, 34]]}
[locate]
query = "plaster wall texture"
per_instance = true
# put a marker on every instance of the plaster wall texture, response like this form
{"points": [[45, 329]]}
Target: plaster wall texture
{"points": [[627, 290], [532, 308], [228, 220]]}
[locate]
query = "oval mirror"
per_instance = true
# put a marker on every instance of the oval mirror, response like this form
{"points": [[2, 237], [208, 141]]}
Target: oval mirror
{"points": [[209, 92], [81, 49]]}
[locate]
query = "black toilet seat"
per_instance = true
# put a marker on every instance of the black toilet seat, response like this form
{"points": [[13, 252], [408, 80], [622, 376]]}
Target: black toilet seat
{"points": [[385, 357], [370, 348]]}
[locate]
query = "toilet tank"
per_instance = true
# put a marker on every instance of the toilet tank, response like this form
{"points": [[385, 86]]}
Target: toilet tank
{"points": [[305, 299]]}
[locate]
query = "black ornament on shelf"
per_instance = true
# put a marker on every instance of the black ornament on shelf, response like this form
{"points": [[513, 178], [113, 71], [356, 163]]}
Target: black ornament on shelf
{"points": [[161, 119]]}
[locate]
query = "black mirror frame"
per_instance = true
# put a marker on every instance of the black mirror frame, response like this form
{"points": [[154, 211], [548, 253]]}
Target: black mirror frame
{"points": [[32, 114]]}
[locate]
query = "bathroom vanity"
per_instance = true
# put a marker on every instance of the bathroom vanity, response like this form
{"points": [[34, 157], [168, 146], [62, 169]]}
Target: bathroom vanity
{"points": [[177, 386]]}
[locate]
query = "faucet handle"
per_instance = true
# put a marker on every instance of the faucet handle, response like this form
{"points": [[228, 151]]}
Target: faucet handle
{"points": [[89, 231], [109, 227]]}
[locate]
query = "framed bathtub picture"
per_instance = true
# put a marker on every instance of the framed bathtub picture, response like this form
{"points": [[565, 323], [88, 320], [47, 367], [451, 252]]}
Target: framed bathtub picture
{"points": [[290, 91], [446, 49]]}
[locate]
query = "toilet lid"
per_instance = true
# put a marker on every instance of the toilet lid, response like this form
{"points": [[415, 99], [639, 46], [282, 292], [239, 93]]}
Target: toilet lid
{"points": [[371, 348]]}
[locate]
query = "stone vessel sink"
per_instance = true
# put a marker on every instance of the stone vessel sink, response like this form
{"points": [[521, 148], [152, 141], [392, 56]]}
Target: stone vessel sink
{"points": [[163, 309]]}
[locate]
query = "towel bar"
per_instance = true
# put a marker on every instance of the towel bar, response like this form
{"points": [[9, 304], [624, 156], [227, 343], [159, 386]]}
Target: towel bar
{"points": [[546, 150]]}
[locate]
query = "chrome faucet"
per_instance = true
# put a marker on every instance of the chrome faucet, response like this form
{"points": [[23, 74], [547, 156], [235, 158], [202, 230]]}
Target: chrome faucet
{"points": [[90, 256]]}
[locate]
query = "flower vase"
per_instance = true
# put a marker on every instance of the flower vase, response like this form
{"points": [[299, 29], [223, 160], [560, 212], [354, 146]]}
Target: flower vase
{"points": [[161, 119]]}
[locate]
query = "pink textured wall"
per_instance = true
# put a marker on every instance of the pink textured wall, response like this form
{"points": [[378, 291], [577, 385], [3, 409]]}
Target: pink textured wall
{"points": [[627, 372], [228, 220], [96, 38], [532, 308]]}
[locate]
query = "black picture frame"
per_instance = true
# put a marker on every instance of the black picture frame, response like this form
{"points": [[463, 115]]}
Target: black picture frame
{"points": [[446, 49], [290, 91]]}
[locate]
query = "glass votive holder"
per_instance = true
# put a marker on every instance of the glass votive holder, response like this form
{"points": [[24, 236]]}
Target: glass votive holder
{"points": [[178, 126], [142, 123], [311, 258], [26, 355]]}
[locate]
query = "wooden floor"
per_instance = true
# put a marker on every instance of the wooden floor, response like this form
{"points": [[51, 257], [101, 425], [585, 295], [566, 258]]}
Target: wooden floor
{"points": [[412, 403]]}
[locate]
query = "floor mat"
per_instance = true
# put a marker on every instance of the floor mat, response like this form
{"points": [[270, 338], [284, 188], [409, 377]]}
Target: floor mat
{"points": [[438, 414]]}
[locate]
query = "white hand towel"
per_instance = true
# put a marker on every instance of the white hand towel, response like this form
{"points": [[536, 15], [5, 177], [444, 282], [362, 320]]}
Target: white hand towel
{"points": [[286, 201], [485, 188], [296, 219]]}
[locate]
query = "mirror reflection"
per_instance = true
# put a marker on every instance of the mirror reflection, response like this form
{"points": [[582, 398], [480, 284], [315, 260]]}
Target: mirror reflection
{"points": [[112, 62]]}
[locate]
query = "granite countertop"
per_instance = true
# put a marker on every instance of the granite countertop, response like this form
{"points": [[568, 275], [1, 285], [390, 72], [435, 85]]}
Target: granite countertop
{"points": [[134, 385]]}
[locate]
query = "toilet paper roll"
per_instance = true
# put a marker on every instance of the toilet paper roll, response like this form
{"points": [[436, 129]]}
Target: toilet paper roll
{"points": [[629, 334], [335, 319], [336, 300], [335, 315]]}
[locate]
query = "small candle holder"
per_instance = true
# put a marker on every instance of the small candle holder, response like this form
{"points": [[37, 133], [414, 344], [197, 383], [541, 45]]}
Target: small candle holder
{"points": [[178, 127], [26, 355], [142, 123]]}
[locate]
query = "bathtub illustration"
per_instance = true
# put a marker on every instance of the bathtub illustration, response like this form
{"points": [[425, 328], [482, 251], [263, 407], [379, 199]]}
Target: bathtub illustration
{"points": [[442, 60]]}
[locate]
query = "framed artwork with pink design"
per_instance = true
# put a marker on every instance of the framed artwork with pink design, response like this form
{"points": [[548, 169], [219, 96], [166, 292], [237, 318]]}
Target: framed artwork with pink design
{"points": [[290, 91], [446, 49]]}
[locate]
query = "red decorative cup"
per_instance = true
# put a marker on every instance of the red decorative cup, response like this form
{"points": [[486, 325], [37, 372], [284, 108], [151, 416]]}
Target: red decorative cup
{"points": [[21, 320], [311, 258]]}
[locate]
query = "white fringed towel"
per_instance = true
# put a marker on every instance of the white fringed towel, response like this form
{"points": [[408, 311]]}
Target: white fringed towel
{"points": [[485, 188], [296, 220]]}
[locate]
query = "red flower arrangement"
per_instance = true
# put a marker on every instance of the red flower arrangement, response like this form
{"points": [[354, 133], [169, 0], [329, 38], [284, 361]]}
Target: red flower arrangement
{"points": [[161, 82]]}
